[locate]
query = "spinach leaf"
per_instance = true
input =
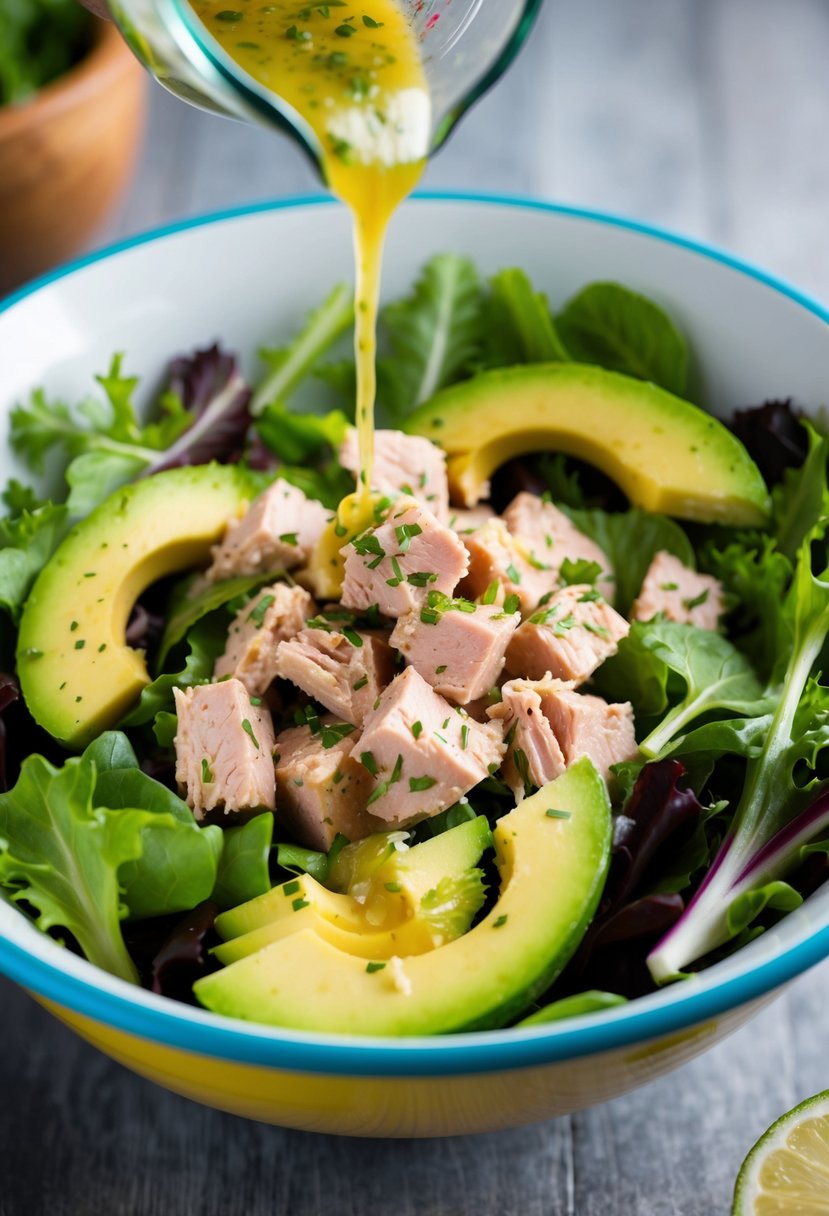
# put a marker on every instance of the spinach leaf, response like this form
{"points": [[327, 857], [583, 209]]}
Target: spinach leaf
{"points": [[631, 539], [623, 331], [243, 866], [520, 326]]}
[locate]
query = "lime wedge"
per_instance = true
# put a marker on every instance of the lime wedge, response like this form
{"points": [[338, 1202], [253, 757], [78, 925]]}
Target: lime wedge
{"points": [[787, 1171]]}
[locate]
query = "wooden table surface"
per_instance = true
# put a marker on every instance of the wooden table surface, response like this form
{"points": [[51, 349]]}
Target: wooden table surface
{"points": [[709, 116]]}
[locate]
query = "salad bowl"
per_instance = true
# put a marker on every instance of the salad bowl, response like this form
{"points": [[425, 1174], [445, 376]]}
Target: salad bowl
{"points": [[244, 277]]}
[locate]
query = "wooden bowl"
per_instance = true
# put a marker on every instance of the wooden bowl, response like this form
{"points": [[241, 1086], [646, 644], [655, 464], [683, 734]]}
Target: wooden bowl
{"points": [[66, 156]]}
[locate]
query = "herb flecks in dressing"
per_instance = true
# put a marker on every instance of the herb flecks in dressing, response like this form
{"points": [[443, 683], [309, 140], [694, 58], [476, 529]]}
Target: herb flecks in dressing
{"points": [[354, 74]]}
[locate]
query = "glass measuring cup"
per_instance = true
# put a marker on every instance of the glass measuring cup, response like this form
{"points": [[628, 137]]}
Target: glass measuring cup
{"points": [[467, 44]]}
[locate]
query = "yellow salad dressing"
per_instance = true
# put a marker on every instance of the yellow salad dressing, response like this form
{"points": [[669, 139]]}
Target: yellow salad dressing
{"points": [[354, 74]]}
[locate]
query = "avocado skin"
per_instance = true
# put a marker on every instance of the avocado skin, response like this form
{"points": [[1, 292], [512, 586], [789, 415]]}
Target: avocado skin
{"points": [[553, 870], [77, 673], [666, 454]]}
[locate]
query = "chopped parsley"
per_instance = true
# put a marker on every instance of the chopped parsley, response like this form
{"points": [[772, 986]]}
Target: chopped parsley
{"points": [[367, 760], [393, 887], [361, 683], [206, 774], [416, 784], [440, 670], [464, 736], [669, 586], [491, 593], [298, 904], [697, 600], [257, 614], [290, 538], [552, 813], [372, 967], [405, 534], [511, 604], [500, 922], [353, 636], [513, 575], [291, 887], [248, 729], [417, 729], [333, 733], [421, 578]]}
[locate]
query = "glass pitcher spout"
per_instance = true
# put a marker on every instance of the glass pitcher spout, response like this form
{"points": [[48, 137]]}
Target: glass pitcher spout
{"points": [[465, 44]]}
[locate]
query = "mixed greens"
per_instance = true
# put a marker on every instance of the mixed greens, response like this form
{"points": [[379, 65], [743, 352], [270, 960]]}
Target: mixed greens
{"points": [[720, 821]]}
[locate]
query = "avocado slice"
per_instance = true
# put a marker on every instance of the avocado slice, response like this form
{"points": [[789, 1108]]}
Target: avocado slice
{"points": [[552, 851], [666, 454], [76, 670], [408, 901]]}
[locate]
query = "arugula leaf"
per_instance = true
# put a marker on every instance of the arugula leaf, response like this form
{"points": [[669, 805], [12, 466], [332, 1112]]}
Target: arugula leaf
{"points": [[619, 329], [631, 539], [27, 541], [243, 866], [435, 334], [773, 819], [185, 610], [296, 438], [206, 641], [713, 674], [61, 856], [288, 365], [592, 1001], [520, 326]]}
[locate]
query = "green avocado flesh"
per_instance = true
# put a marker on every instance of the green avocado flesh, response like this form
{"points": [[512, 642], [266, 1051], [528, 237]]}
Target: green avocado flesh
{"points": [[667, 455], [552, 868], [412, 900], [77, 673]]}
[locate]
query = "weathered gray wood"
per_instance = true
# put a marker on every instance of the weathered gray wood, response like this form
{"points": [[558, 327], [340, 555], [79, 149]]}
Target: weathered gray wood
{"points": [[705, 115]]}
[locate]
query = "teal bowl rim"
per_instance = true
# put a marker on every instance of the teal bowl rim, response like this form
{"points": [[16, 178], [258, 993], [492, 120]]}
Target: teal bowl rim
{"points": [[179, 1026]]}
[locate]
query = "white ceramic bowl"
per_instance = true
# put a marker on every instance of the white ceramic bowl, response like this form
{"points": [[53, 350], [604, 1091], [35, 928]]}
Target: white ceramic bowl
{"points": [[246, 277]]}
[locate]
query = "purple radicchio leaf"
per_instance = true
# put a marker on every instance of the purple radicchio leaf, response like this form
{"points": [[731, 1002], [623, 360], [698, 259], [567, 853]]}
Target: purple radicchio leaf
{"points": [[773, 437], [210, 386], [144, 628], [183, 956], [9, 693]]}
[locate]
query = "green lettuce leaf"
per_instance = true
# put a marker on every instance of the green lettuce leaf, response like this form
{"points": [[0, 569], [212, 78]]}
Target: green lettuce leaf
{"points": [[184, 610], [288, 365], [573, 1007], [296, 438], [205, 641], [435, 335], [243, 866], [27, 541], [802, 498], [709, 671], [619, 329], [62, 856]]}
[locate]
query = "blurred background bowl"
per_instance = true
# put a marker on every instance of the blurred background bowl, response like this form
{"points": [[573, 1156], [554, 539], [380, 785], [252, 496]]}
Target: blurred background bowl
{"points": [[66, 155]]}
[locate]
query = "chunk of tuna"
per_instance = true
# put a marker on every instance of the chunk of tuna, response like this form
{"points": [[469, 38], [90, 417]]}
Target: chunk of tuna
{"points": [[466, 520], [276, 614], [568, 638], [407, 464], [423, 753], [549, 726], [345, 672], [672, 590], [496, 557], [550, 536], [224, 750], [279, 530], [395, 564], [321, 790], [458, 651], [534, 756]]}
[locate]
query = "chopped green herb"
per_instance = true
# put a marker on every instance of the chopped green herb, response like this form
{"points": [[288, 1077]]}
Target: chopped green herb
{"points": [[345, 31], [697, 600], [421, 578], [416, 784], [513, 575], [372, 967], [298, 904], [394, 887], [491, 593], [206, 774], [338, 777], [464, 736], [79, 645], [361, 683], [669, 586], [73, 626], [248, 729], [440, 670], [333, 733], [398, 574], [511, 604], [257, 614], [500, 922], [291, 887], [417, 729], [290, 538], [405, 533], [371, 24], [396, 771], [367, 760], [353, 636], [554, 814]]}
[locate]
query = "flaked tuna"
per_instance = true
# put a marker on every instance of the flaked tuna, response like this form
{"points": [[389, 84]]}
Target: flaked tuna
{"points": [[224, 750], [673, 591], [345, 672], [407, 464], [456, 646], [321, 789], [395, 564], [422, 753], [549, 725], [568, 637], [279, 530], [466, 520], [549, 536], [274, 615], [500, 566]]}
